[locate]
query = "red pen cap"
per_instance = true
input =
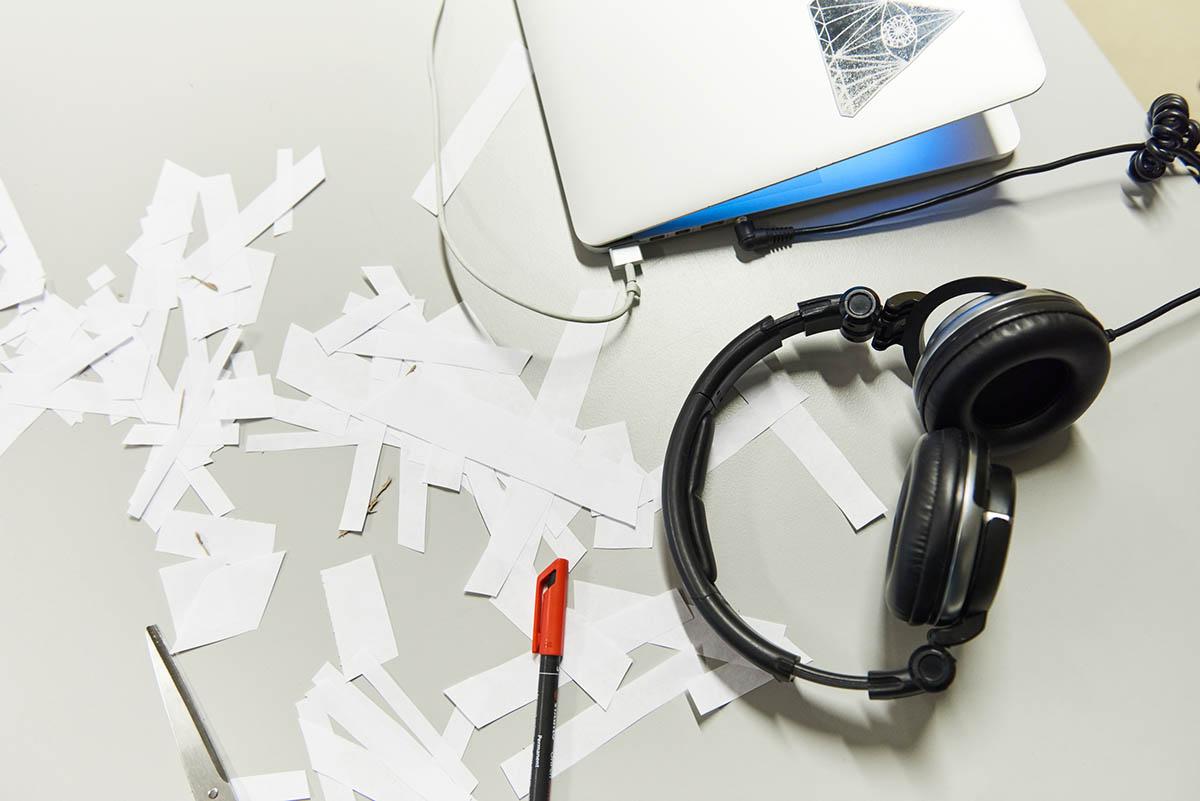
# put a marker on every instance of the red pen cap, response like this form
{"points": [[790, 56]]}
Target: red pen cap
{"points": [[550, 609]]}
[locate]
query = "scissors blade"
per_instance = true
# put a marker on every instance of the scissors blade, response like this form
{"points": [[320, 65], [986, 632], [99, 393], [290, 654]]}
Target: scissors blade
{"points": [[205, 773]]}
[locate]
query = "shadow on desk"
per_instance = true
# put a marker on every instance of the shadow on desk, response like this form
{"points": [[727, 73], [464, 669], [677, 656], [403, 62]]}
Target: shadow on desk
{"points": [[896, 725]]}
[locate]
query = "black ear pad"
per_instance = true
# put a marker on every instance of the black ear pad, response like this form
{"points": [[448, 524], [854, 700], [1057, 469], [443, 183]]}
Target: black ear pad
{"points": [[924, 526], [1013, 369]]}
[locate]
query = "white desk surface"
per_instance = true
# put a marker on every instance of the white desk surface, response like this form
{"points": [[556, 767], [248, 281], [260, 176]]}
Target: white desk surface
{"points": [[1072, 692]]}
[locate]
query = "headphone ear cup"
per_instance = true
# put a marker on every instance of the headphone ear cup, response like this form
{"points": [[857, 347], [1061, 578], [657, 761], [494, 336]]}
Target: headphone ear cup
{"points": [[1013, 368], [924, 526]]}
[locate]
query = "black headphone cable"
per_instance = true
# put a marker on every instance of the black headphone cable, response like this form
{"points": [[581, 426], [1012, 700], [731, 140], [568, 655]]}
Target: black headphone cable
{"points": [[1174, 136]]}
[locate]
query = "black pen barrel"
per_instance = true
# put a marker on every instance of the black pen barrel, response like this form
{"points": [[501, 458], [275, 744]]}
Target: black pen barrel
{"points": [[543, 730]]}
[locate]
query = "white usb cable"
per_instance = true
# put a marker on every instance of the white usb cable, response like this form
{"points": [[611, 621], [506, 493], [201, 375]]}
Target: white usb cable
{"points": [[632, 290]]}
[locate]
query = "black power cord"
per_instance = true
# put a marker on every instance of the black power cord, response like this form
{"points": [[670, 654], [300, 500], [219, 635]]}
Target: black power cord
{"points": [[1113, 333], [1174, 136]]}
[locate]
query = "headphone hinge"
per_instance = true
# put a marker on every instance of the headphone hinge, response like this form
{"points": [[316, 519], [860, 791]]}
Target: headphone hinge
{"points": [[958, 633], [893, 320]]}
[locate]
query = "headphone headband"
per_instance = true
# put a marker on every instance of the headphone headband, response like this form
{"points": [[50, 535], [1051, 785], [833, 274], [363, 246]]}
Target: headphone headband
{"points": [[858, 314]]}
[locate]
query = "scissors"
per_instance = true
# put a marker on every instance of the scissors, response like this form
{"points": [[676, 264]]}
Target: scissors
{"points": [[205, 773]]}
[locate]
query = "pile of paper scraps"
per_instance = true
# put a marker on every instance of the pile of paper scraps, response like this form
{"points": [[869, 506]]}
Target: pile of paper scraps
{"points": [[380, 374]]}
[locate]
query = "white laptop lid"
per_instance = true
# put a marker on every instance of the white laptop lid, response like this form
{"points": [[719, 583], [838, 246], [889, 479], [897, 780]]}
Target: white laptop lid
{"points": [[657, 108]]}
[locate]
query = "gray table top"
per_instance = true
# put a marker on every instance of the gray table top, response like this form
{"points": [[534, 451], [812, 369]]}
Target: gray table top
{"points": [[1100, 575]]}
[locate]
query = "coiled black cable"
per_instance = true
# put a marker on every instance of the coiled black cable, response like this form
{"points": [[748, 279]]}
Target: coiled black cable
{"points": [[1173, 136]]}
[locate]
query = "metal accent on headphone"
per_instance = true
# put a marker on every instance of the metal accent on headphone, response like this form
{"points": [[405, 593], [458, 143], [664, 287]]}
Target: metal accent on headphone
{"points": [[914, 330]]}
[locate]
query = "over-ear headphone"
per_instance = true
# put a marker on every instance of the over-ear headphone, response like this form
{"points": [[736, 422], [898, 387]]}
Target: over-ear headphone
{"points": [[1004, 370]]}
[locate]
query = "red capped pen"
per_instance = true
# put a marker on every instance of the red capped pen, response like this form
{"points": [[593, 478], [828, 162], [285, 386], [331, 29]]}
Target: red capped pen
{"points": [[549, 623]]}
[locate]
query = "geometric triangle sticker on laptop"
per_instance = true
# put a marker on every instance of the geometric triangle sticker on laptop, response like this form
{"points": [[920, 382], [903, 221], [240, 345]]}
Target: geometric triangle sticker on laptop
{"points": [[867, 43]]}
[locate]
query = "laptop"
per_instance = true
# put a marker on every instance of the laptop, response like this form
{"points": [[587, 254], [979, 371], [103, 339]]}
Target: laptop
{"points": [[980, 139], [661, 114]]}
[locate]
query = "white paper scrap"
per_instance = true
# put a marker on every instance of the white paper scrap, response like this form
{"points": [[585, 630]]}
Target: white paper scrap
{"points": [[598, 601], [296, 441], [772, 391], [515, 445], [417, 723], [594, 661], [16, 327], [243, 364], [201, 536], [524, 508], [283, 172], [444, 469], [699, 637], [148, 434], [593, 727], [361, 319], [161, 461], [79, 356], [339, 380], [311, 414], [458, 731], [386, 739], [412, 497], [219, 205], [358, 614], [237, 299], [570, 372], [362, 478], [166, 497], [210, 491], [256, 217], [311, 714], [214, 599], [244, 398], [290, 786], [645, 620], [14, 420], [488, 696], [416, 343], [383, 278], [21, 275], [735, 430], [602, 602], [511, 77], [103, 276], [560, 515], [350, 765], [615, 535], [73, 395], [829, 466], [715, 689], [565, 546]]}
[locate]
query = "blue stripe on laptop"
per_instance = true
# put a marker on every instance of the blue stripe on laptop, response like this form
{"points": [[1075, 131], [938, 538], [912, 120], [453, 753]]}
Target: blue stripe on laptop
{"points": [[938, 149]]}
